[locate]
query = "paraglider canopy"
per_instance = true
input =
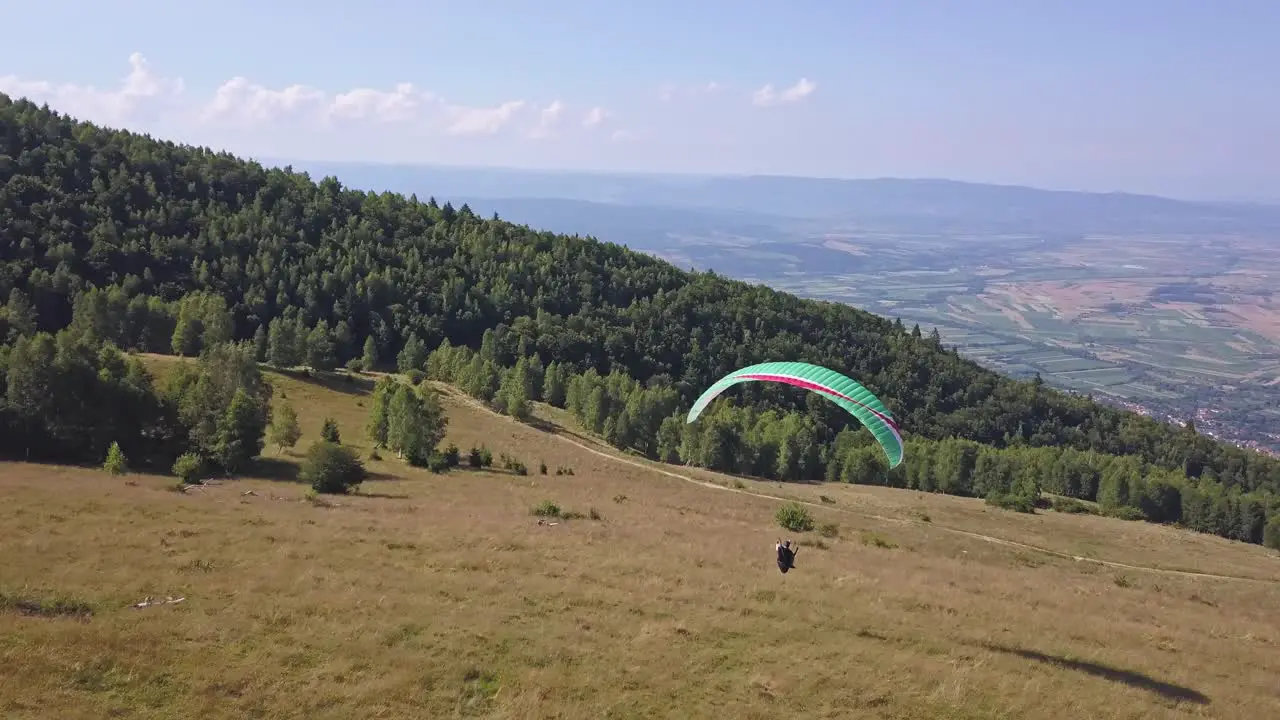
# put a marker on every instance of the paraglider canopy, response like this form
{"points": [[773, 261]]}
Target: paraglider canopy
{"points": [[841, 390]]}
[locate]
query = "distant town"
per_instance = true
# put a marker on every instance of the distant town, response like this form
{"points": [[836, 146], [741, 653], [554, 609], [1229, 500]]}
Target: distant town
{"points": [[1206, 423]]}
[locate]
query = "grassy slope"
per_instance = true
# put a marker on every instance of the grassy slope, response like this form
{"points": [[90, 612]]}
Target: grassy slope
{"points": [[440, 596]]}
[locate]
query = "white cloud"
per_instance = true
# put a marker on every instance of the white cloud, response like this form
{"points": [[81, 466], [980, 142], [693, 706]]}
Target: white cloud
{"points": [[141, 90], [399, 121], [547, 120], [400, 104], [767, 96], [239, 100], [595, 116], [243, 104], [481, 121]]}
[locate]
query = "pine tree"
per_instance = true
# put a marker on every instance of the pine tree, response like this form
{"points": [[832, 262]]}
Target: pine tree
{"points": [[1271, 533], [413, 356], [596, 410], [281, 344], [379, 410], [216, 319], [116, 464], [440, 363], [21, 315], [239, 434], [320, 350], [669, 435], [329, 432], [342, 342], [260, 344], [434, 421], [370, 354], [187, 333], [553, 385], [284, 431], [514, 393]]}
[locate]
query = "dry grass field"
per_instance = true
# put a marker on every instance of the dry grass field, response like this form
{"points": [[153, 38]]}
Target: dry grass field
{"points": [[440, 596]]}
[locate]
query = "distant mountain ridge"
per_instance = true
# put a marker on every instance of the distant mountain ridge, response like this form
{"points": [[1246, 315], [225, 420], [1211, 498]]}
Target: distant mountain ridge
{"points": [[953, 204]]}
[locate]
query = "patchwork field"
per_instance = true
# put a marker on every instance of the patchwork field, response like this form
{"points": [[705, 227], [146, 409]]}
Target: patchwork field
{"points": [[442, 596], [1172, 323]]}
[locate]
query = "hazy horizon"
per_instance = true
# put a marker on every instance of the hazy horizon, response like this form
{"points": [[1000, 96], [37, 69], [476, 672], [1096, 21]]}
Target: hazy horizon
{"points": [[1146, 97], [300, 163]]}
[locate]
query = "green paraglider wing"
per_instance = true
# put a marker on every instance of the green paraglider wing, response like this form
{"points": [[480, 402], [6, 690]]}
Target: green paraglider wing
{"points": [[841, 390]]}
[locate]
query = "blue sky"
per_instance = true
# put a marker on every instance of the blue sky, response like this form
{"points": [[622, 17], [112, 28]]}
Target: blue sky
{"points": [[1173, 97]]}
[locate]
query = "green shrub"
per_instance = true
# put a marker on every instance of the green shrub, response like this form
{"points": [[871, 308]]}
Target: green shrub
{"points": [[480, 457], [189, 467], [438, 463], [1010, 501], [332, 469], [794, 517], [829, 530], [546, 508], [513, 465], [415, 376], [452, 455]]}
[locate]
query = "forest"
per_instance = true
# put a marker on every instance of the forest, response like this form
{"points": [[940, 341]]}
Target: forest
{"points": [[112, 242]]}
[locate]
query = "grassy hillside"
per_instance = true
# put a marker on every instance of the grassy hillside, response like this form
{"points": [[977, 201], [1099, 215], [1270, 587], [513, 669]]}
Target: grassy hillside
{"points": [[441, 595]]}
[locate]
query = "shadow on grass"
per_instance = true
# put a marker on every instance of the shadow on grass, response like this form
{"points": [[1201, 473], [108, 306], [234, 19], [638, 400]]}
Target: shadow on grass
{"points": [[280, 469], [551, 428], [275, 469], [1127, 677], [337, 381]]}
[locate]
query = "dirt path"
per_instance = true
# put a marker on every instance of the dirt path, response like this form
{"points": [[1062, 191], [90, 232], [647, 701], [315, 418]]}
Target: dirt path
{"points": [[656, 467]]}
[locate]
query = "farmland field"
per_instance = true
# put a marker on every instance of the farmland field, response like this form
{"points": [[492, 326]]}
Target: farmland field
{"points": [[442, 596], [1175, 325]]}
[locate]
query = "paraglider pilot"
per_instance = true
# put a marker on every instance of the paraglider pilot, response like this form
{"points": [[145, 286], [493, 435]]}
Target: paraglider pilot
{"points": [[786, 556]]}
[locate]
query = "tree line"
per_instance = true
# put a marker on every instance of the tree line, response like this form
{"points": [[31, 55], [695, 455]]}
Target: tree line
{"points": [[745, 440], [70, 396]]}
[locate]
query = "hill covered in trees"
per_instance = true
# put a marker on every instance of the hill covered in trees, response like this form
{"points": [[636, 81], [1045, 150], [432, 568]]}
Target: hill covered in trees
{"points": [[115, 240]]}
